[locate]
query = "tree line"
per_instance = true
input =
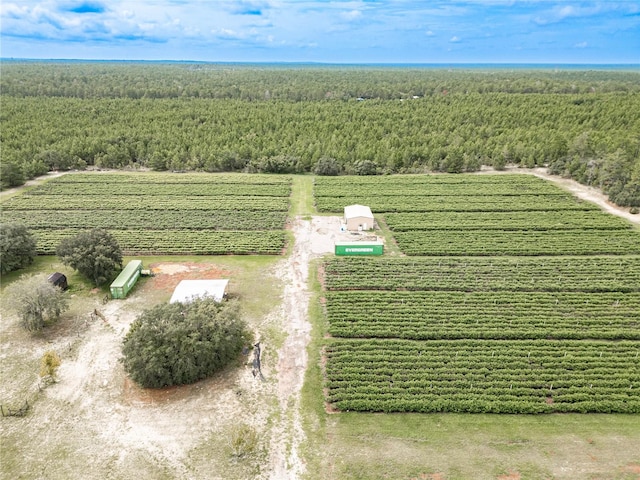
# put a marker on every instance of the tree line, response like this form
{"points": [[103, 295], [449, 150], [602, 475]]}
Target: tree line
{"points": [[350, 120]]}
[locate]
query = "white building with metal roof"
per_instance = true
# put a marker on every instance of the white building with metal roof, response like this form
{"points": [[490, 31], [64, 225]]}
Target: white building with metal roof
{"points": [[358, 217], [187, 290]]}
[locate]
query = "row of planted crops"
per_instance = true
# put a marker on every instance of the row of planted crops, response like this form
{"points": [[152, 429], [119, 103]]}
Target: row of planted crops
{"points": [[515, 297], [153, 213]]}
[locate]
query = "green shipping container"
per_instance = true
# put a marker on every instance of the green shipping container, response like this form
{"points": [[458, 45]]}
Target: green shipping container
{"points": [[123, 284], [359, 248]]}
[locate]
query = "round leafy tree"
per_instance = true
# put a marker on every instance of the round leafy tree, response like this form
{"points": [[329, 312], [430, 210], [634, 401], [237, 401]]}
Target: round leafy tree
{"points": [[327, 166], [176, 344], [36, 301], [95, 254], [17, 247]]}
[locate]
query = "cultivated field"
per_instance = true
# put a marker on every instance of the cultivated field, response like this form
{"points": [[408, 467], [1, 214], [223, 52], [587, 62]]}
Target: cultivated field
{"points": [[155, 214], [504, 310]]}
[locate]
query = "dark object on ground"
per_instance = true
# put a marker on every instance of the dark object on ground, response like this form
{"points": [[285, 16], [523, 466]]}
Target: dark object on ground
{"points": [[256, 362], [58, 280]]}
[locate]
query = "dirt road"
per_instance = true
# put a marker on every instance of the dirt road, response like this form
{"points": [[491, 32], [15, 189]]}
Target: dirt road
{"points": [[312, 239], [584, 192]]}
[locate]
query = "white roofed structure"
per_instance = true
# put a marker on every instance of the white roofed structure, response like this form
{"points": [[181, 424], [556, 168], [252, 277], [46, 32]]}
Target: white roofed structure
{"points": [[358, 217], [187, 290]]}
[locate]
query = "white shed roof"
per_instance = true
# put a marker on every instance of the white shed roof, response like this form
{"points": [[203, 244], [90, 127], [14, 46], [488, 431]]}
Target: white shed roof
{"points": [[353, 211], [187, 290]]}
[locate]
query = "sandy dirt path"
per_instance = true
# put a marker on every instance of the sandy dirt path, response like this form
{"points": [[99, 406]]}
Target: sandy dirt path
{"points": [[584, 192], [312, 239], [587, 193]]}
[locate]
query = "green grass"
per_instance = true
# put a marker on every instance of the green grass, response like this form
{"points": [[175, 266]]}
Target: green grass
{"points": [[50, 264], [390, 245], [302, 195], [376, 446]]}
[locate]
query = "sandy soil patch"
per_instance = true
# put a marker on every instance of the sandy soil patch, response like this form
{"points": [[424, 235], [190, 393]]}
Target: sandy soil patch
{"points": [[168, 275]]}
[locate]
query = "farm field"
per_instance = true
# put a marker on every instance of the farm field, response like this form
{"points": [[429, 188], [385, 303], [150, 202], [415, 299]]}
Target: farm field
{"points": [[506, 319], [154, 213], [566, 321]]}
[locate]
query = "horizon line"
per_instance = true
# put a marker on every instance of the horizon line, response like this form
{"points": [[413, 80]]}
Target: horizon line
{"points": [[311, 62]]}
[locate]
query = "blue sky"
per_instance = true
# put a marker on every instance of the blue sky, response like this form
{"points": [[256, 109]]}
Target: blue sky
{"points": [[359, 31]]}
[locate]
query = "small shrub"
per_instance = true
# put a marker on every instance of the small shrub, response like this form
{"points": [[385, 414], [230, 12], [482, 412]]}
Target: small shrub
{"points": [[49, 364], [243, 441], [36, 301]]}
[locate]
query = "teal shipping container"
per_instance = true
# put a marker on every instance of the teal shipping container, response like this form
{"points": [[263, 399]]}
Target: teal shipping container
{"points": [[359, 248], [123, 284]]}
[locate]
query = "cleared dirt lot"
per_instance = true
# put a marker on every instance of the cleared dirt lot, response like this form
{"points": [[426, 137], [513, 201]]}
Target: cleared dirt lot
{"points": [[96, 423]]}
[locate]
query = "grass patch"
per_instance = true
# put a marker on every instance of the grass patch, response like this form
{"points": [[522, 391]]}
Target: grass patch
{"points": [[243, 441], [237, 451], [48, 264], [390, 245], [314, 418], [302, 195], [373, 446]]}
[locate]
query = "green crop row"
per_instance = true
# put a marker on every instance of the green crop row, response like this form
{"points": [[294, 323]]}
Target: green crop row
{"points": [[488, 315], [438, 189], [481, 242], [540, 220], [169, 242], [163, 178], [483, 376], [148, 219], [551, 274], [402, 181], [461, 203], [136, 202], [156, 189]]}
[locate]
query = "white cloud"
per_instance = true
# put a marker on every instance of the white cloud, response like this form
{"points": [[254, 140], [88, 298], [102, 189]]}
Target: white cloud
{"points": [[12, 10], [454, 39], [560, 13], [351, 15], [581, 45], [227, 33]]}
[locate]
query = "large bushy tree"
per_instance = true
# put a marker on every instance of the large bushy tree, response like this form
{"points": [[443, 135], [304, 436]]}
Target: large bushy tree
{"points": [[11, 174], [17, 247], [36, 301], [95, 254], [176, 344], [327, 166]]}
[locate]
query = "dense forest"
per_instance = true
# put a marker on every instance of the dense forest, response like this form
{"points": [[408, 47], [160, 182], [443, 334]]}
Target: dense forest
{"points": [[328, 120]]}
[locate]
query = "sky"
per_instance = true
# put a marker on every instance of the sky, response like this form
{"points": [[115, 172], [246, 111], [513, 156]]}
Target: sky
{"points": [[325, 31]]}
